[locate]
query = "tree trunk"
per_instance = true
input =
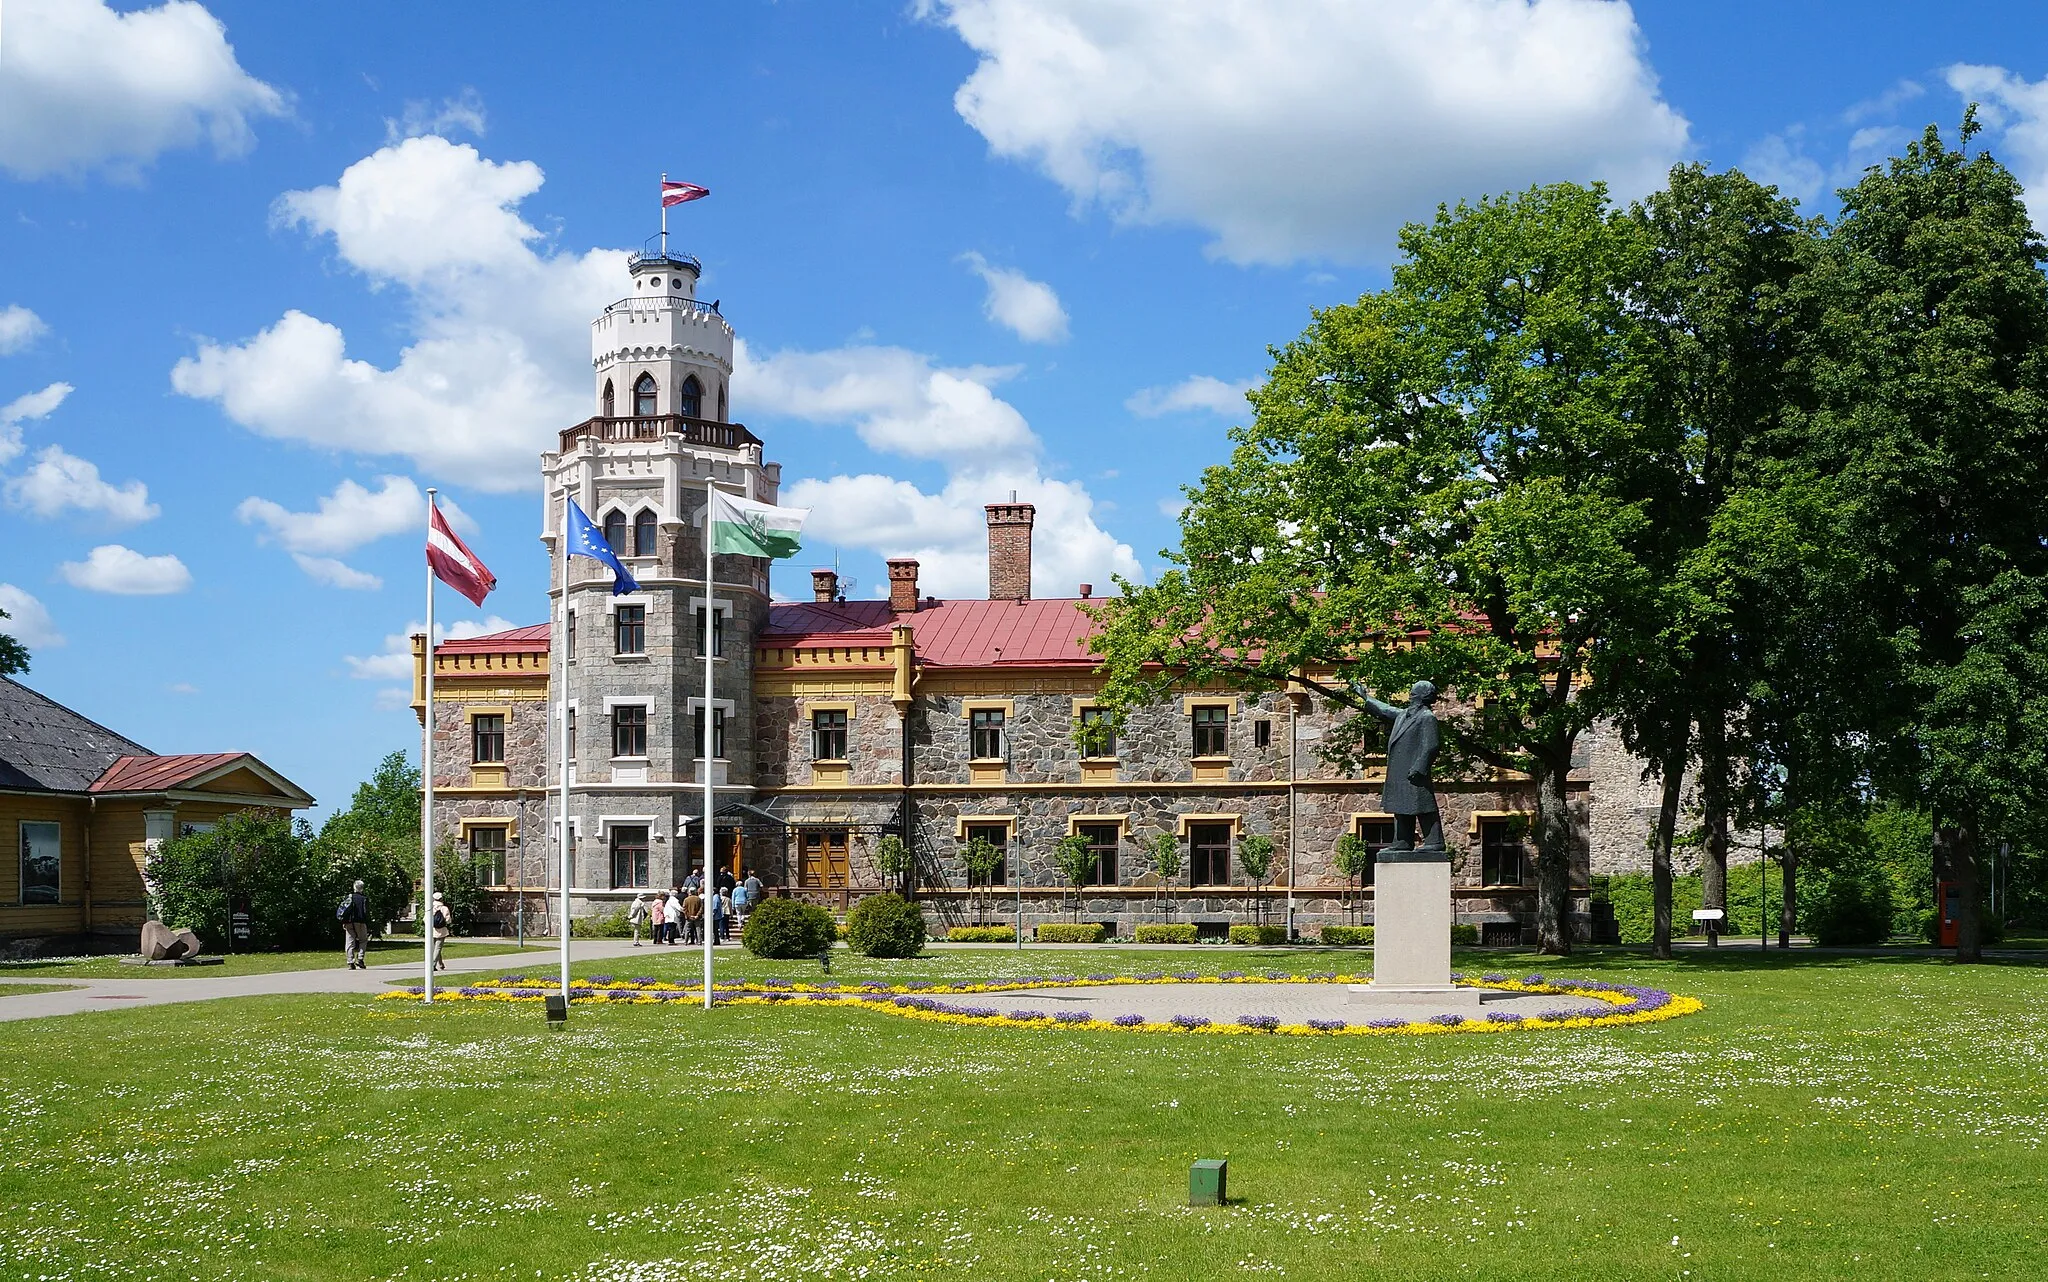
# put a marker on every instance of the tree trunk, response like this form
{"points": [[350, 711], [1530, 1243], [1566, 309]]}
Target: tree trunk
{"points": [[1673, 770], [1955, 846], [1714, 812], [1788, 911], [1554, 842]]}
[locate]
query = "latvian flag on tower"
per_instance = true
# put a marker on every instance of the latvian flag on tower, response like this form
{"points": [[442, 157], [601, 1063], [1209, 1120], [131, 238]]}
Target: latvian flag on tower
{"points": [[454, 564], [675, 193]]}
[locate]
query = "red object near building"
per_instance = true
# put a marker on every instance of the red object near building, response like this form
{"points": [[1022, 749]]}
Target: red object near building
{"points": [[1948, 902]]}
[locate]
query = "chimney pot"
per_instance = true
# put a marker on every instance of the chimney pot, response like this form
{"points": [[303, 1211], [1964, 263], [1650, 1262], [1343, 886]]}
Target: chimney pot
{"points": [[824, 585], [903, 585], [1087, 590], [1009, 551]]}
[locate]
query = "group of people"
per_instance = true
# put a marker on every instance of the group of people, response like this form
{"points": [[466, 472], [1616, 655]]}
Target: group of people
{"points": [[677, 915]]}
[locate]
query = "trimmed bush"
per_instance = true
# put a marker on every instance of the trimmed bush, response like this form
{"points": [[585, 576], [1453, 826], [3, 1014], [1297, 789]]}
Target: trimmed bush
{"points": [[601, 926], [1175, 932], [1346, 936], [1464, 932], [788, 928], [885, 926], [982, 935], [1854, 911], [1263, 935], [1067, 932]]}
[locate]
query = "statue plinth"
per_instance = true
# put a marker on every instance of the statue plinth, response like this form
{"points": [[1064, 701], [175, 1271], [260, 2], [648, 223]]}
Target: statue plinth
{"points": [[1411, 934]]}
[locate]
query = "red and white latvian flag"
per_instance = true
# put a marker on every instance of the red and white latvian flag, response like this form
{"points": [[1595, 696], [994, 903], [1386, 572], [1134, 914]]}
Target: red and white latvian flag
{"points": [[454, 564], [675, 193]]}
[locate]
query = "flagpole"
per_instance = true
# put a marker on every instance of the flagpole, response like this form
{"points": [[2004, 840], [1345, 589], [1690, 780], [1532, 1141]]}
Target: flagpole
{"points": [[561, 680], [664, 213], [427, 776], [710, 720]]}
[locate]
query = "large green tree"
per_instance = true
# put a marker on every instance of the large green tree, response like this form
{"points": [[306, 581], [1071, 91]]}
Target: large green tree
{"points": [[1456, 478], [1932, 426], [377, 839]]}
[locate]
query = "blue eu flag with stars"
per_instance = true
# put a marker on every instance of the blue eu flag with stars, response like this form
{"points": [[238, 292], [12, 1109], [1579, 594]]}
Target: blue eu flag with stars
{"points": [[585, 539]]}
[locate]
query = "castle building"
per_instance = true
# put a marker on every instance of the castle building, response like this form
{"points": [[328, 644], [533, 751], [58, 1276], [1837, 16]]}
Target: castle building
{"points": [[835, 723]]}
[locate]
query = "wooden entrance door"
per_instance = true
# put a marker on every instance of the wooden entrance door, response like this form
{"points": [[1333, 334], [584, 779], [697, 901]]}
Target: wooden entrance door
{"points": [[822, 860]]}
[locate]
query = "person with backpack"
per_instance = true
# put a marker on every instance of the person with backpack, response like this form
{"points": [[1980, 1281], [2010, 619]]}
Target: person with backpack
{"points": [[354, 916], [440, 925], [636, 915]]}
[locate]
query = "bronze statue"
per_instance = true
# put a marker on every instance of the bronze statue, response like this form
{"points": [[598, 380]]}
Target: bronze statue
{"points": [[1412, 743]]}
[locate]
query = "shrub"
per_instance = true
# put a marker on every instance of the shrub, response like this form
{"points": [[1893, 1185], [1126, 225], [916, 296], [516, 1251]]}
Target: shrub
{"points": [[263, 858], [601, 926], [1067, 932], [1464, 933], [1347, 935], [1263, 935], [886, 926], [1179, 932], [982, 934], [892, 858], [788, 928], [1855, 909]]}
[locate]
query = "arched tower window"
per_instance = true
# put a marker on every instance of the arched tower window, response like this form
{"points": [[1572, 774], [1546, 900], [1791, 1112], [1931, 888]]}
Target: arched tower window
{"points": [[610, 410], [643, 397], [721, 406], [615, 531], [643, 533], [690, 401]]}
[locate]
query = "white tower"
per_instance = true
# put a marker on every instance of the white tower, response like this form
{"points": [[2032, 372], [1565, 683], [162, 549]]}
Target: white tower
{"points": [[631, 666]]}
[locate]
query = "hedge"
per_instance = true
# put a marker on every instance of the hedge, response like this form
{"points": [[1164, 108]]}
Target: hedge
{"points": [[886, 926], [1464, 933], [602, 926], [1262, 935], [788, 928], [982, 934], [1178, 932], [1347, 935], [1064, 932]]}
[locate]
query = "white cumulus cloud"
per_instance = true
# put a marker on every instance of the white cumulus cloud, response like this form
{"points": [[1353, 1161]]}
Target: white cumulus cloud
{"points": [[1314, 128], [394, 662], [1028, 308], [18, 328], [337, 574], [126, 572], [84, 88], [899, 401], [1196, 392], [26, 408], [59, 482], [346, 519], [464, 112], [497, 361], [28, 620], [2016, 110]]}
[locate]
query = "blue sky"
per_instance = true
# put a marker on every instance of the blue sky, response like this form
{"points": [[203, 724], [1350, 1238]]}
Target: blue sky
{"points": [[268, 270]]}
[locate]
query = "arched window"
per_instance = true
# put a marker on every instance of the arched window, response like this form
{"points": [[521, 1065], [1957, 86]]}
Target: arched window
{"points": [[615, 530], [721, 405], [643, 396], [643, 533], [690, 401], [610, 410]]}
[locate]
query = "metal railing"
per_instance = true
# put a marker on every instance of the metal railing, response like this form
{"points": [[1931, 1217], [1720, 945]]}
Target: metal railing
{"points": [[656, 255], [694, 431], [657, 302]]}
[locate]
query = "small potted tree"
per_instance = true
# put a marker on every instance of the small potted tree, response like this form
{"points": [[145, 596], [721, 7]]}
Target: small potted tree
{"points": [[1076, 862], [1353, 858], [892, 860], [1255, 856], [1166, 861], [982, 858]]}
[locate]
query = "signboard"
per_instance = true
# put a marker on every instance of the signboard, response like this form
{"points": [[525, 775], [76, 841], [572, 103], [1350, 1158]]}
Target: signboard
{"points": [[1708, 914]]}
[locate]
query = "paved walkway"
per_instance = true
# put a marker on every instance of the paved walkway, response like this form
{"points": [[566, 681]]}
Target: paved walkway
{"points": [[103, 994]]}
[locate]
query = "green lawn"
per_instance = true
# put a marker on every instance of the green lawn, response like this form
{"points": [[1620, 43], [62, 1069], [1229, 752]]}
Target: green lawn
{"points": [[21, 990], [382, 952], [1824, 1117]]}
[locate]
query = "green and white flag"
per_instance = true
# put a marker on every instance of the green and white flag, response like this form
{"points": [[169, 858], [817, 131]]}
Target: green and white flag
{"points": [[743, 527]]}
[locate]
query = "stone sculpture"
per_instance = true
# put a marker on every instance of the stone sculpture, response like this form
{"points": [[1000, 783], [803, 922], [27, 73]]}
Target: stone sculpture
{"points": [[161, 943], [1412, 743]]}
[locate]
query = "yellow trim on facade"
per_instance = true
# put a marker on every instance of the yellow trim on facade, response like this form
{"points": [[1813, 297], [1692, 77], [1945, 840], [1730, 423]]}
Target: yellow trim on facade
{"points": [[960, 823], [471, 712], [1189, 703], [1478, 815], [968, 707], [1181, 822], [1122, 821], [846, 706]]}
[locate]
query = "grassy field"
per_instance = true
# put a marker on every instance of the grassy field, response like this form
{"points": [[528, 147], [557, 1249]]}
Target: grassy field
{"points": [[1822, 1118], [21, 990], [382, 952]]}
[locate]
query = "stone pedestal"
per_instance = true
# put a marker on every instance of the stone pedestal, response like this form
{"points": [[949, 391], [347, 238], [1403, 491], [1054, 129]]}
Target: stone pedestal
{"points": [[1411, 934]]}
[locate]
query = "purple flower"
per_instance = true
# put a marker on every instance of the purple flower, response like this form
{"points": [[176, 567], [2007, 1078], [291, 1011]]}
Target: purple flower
{"points": [[1152, 975], [1027, 1014], [1186, 974], [1448, 1021], [1100, 979], [1386, 1023], [1327, 1025], [1560, 1014], [415, 989], [1128, 1021], [470, 990], [599, 979], [1073, 1016], [1231, 974], [1276, 974], [1189, 1021], [643, 980], [1493, 978], [511, 979], [977, 1012], [1264, 1023], [1503, 1017], [776, 983], [1534, 979]]}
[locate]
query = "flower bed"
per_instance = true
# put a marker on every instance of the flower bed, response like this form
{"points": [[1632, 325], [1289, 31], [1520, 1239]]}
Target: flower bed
{"points": [[1629, 1003]]}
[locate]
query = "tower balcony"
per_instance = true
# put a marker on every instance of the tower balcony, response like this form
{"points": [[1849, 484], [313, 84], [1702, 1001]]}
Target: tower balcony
{"points": [[652, 428], [665, 303]]}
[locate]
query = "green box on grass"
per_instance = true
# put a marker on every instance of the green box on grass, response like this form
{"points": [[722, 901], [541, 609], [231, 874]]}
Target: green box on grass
{"points": [[1205, 1182]]}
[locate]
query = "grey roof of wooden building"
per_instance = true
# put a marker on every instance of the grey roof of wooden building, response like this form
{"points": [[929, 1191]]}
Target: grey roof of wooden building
{"points": [[46, 747]]}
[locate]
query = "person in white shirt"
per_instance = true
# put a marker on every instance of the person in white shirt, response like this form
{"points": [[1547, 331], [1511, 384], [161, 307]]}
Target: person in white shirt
{"points": [[674, 915], [637, 914]]}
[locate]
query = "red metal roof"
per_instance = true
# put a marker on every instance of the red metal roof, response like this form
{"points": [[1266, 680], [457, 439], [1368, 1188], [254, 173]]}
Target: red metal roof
{"points": [[528, 640], [155, 774], [947, 634]]}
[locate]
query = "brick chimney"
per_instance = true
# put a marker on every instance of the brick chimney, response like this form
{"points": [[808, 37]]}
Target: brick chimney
{"points": [[1009, 550], [824, 585], [903, 585]]}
